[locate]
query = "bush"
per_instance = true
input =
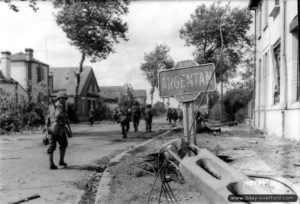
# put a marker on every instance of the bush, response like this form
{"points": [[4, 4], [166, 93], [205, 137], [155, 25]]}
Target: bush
{"points": [[240, 115], [234, 101], [159, 108], [102, 112], [16, 115], [215, 112]]}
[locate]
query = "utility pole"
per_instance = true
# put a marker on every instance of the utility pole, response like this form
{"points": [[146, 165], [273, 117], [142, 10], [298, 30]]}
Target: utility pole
{"points": [[221, 78]]}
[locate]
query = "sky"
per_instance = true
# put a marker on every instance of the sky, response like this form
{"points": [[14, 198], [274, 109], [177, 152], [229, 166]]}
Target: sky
{"points": [[150, 22]]}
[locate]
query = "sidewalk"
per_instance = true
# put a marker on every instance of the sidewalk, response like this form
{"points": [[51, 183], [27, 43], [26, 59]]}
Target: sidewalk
{"points": [[255, 153]]}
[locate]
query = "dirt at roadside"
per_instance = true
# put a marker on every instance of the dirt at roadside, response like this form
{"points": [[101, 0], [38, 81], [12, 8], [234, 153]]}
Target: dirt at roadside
{"points": [[131, 184], [250, 151]]}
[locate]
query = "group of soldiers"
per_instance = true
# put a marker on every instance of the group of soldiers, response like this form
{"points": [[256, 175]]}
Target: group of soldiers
{"points": [[124, 114], [58, 129], [174, 114]]}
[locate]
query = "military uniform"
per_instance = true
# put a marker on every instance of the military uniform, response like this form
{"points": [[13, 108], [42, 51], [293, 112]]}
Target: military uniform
{"points": [[148, 118], [92, 116], [124, 120], [58, 132], [136, 116]]}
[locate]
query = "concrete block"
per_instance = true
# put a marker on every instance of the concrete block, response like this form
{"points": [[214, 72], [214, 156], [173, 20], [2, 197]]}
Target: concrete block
{"points": [[214, 179]]}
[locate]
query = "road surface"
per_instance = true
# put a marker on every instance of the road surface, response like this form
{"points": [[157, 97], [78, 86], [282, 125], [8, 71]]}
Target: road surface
{"points": [[25, 170]]}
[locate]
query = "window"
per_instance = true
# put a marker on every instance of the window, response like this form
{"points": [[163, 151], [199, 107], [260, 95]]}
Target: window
{"points": [[266, 14], [259, 88], [265, 79], [40, 74], [275, 10], [296, 59], [276, 71], [259, 20]]}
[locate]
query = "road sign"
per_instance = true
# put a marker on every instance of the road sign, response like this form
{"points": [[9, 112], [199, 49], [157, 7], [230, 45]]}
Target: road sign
{"points": [[186, 83]]}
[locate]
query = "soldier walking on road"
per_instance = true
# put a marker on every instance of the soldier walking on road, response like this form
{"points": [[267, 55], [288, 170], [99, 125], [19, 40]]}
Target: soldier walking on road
{"points": [[169, 115], [148, 118], [136, 116], [92, 115], [124, 120], [58, 130]]}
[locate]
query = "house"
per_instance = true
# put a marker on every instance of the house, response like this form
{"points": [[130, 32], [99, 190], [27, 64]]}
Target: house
{"points": [[30, 75], [140, 95], [277, 78], [113, 95], [8, 86], [64, 79]]}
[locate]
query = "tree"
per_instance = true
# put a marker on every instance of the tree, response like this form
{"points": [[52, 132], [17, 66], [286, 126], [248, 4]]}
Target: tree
{"points": [[246, 73], [203, 32], [93, 27], [12, 6], [154, 61]]}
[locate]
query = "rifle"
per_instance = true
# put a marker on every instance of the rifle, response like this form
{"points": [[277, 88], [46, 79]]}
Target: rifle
{"points": [[26, 199], [68, 130]]}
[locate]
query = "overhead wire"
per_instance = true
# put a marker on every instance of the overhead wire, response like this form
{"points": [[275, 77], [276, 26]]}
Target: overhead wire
{"points": [[220, 57]]}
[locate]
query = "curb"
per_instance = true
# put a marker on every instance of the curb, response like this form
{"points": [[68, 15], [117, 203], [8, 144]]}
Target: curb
{"points": [[103, 190]]}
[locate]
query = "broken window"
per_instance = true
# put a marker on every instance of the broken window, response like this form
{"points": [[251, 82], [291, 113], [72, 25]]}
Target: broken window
{"points": [[276, 71], [296, 52]]}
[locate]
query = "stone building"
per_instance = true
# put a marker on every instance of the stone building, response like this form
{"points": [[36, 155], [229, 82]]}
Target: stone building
{"points": [[277, 72], [29, 75]]}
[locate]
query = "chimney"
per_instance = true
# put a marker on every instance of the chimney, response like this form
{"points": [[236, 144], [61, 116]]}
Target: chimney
{"points": [[5, 64], [29, 54]]}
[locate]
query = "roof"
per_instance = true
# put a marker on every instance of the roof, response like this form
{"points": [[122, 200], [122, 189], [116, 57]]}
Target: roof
{"points": [[22, 57], [139, 93], [253, 4], [65, 78], [112, 91]]}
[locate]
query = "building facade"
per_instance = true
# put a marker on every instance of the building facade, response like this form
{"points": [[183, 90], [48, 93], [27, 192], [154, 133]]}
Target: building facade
{"points": [[140, 95], [277, 73], [30, 74]]}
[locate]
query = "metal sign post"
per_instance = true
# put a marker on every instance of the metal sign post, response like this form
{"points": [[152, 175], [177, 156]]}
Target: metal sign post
{"points": [[188, 113], [185, 82]]}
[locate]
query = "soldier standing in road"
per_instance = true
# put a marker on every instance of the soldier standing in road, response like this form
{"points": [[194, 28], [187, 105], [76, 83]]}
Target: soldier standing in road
{"points": [[148, 117], [136, 116], [58, 132]]}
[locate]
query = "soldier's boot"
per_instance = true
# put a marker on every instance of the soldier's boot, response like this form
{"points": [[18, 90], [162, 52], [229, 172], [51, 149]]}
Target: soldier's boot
{"points": [[62, 156], [51, 163]]}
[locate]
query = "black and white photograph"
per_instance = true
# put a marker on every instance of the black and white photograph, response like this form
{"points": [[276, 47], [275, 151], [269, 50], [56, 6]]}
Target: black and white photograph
{"points": [[149, 102]]}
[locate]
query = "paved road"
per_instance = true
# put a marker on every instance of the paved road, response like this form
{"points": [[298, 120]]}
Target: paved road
{"points": [[24, 164]]}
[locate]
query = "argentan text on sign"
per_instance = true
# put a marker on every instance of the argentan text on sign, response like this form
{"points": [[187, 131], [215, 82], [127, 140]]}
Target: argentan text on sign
{"points": [[189, 80]]}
